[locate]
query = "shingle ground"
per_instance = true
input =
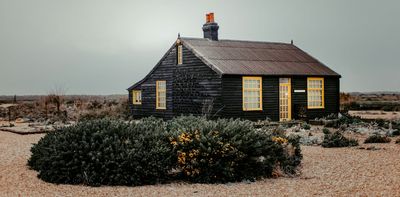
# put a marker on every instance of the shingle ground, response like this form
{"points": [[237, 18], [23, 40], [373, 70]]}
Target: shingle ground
{"points": [[325, 172]]}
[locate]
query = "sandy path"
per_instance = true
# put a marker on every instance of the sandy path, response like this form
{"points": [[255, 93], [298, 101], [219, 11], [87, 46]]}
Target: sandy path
{"points": [[326, 172]]}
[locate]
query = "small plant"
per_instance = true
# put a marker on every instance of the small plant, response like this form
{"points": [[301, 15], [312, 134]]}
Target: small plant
{"points": [[396, 132], [326, 131], [376, 138], [337, 139], [347, 119], [306, 126]]}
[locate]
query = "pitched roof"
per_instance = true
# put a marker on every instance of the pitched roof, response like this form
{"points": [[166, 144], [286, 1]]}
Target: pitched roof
{"points": [[238, 57], [256, 58]]}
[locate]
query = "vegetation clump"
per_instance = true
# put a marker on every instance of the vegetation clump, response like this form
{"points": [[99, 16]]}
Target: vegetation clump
{"points": [[347, 119], [376, 138], [326, 131], [306, 126], [104, 152], [150, 151], [337, 139], [230, 150]]}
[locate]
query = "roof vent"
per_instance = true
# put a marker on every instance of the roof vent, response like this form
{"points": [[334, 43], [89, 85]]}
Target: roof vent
{"points": [[210, 28]]}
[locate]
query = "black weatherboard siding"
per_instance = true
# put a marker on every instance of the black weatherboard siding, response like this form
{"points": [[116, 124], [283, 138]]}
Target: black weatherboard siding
{"points": [[192, 88], [197, 88], [232, 98], [331, 94], [163, 71]]}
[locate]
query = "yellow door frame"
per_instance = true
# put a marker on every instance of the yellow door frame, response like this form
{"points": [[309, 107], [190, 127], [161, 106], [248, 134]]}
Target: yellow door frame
{"points": [[289, 97]]}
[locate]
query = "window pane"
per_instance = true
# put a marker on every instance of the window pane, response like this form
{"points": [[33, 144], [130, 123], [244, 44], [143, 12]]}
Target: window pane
{"points": [[252, 93], [315, 92], [161, 95]]}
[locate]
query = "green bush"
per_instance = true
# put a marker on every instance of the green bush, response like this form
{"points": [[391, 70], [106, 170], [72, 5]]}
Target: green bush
{"points": [[396, 132], [230, 150], [306, 126], [347, 119], [105, 152], [376, 138], [337, 139], [110, 152], [326, 131]]}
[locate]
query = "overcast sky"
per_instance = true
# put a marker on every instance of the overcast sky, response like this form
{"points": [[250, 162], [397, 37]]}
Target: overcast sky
{"points": [[103, 47]]}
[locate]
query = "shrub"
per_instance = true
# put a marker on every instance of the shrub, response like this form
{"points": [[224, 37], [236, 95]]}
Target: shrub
{"points": [[326, 131], [348, 119], [230, 150], [381, 123], [376, 138], [306, 126], [337, 139], [396, 132], [105, 152], [110, 152]]}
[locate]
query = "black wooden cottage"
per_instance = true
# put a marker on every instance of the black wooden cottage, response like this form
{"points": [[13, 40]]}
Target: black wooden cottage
{"points": [[239, 79]]}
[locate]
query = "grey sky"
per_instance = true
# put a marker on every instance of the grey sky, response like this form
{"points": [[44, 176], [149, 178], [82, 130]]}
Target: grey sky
{"points": [[103, 47]]}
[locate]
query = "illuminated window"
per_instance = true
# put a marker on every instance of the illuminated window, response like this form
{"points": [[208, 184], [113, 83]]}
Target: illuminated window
{"points": [[137, 97], [315, 92], [161, 90], [180, 58], [252, 93]]}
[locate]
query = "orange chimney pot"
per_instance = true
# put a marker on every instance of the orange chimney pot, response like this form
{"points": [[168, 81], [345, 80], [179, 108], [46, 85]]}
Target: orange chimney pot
{"points": [[211, 15]]}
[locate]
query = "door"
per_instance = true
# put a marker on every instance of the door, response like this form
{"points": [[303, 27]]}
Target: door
{"points": [[285, 99]]}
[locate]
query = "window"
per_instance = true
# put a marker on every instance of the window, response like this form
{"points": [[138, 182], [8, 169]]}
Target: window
{"points": [[137, 97], [180, 58], [315, 92], [252, 93], [161, 95]]}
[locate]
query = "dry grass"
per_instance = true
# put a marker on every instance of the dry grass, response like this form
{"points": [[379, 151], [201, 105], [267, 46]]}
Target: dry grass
{"points": [[376, 114], [326, 172]]}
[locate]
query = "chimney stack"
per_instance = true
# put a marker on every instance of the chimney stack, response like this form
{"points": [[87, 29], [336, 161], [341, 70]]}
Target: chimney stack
{"points": [[210, 28]]}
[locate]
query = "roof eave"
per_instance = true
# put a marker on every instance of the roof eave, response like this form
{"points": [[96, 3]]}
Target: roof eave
{"points": [[152, 70], [201, 57]]}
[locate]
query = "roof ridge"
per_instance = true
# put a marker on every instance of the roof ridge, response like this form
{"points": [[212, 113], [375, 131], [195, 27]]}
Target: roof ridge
{"points": [[231, 40], [272, 48], [307, 62]]}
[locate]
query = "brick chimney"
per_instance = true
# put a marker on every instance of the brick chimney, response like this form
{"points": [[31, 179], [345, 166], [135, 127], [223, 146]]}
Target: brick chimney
{"points": [[210, 28]]}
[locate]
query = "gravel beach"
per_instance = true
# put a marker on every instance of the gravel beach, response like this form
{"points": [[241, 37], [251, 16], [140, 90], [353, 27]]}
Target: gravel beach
{"points": [[325, 172]]}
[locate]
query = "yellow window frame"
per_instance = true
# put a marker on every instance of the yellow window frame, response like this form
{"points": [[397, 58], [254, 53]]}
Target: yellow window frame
{"points": [[322, 89], [135, 94], [180, 58], [246, 89], [158, 92]]}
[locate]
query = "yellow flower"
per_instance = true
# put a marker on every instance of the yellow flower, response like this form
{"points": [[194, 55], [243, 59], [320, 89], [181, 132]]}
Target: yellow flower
{"points": [[173, 142], [181, 157], [279, 140], [184, 137]]}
